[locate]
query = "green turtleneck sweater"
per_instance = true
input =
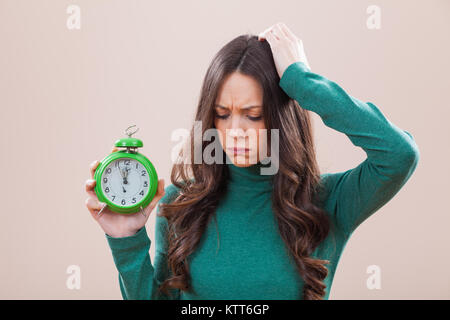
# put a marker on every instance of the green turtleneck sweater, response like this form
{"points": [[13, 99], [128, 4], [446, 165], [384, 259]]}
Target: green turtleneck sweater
{"points": [[244, 256]]}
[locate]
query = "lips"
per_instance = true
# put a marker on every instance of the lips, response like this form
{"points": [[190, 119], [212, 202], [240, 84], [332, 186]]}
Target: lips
{"points": [[239, 150]]}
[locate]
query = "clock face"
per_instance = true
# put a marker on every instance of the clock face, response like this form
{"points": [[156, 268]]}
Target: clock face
{"points": [[125, 182]]}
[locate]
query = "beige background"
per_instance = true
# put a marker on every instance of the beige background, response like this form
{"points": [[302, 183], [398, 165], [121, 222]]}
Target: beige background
{"points": [[67, 95]]}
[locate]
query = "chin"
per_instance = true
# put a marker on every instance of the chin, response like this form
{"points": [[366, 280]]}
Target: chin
{"points": [[242, 160]]}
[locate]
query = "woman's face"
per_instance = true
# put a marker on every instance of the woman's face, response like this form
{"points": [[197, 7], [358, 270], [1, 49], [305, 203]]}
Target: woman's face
{"points": [[238, 118]]}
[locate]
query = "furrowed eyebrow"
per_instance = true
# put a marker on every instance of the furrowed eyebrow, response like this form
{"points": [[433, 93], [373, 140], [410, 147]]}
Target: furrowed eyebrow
{"points": [[244, 108]]}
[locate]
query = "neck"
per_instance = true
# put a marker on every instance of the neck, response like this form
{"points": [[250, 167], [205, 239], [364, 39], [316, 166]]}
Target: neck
{"points": [[250, 176]]}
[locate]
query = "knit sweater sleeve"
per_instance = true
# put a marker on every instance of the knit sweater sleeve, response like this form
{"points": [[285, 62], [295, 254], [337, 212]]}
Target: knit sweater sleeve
{"points": [[392, 153], [138, 278]]}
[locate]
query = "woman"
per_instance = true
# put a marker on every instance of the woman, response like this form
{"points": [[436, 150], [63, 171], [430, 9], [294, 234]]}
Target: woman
{"points": [[226, 231]]}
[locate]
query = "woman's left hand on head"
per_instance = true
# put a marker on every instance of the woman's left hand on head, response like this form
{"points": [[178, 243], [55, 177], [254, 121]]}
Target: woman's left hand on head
{"points": [[286, 47]]}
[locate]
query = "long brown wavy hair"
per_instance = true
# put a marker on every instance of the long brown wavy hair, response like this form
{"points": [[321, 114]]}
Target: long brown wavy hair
{"points": [[302, 224]]}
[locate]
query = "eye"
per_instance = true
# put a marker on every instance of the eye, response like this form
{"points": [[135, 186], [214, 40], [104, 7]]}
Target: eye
{"points": [[255, 118], [222, 117]]}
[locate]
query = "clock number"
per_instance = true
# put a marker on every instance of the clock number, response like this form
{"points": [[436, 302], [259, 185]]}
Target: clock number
{"points": [[136, 165], [141, 193], [105, 180], [134, 200], [145, 184], [143, 173], [113, 197], [127, 162], [108, 170], [123, 201], [106, 189]]}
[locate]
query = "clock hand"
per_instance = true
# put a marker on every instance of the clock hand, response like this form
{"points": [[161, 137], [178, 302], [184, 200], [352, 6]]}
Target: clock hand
{"points": [[125, 181]]}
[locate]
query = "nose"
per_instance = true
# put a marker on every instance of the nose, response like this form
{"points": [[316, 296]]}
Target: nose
{"points": [[236, 130]]}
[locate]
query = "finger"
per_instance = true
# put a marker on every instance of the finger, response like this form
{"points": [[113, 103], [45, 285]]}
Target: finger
{"points": [[93, 167], [289, 34], [94, 206], [262, 35], [279, 32], [90, 185], [271, 39], [160, 192]]}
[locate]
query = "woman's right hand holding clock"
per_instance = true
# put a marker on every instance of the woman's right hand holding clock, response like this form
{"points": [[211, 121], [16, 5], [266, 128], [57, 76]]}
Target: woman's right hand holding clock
{"points": [[114, 224]]}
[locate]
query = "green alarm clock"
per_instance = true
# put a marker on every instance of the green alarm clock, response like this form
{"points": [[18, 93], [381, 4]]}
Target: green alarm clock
{"points": [[126, 180]]}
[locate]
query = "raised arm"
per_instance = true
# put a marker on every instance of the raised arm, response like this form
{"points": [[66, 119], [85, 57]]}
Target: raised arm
{"points": [[392, 155]]}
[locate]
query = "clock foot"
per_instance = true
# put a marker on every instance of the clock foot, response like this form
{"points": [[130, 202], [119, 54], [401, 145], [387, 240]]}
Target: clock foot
{"points": [[142, 211], [99, 213]]}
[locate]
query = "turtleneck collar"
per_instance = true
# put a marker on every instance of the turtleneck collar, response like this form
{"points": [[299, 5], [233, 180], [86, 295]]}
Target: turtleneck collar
{"points": [[249, 176]]}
